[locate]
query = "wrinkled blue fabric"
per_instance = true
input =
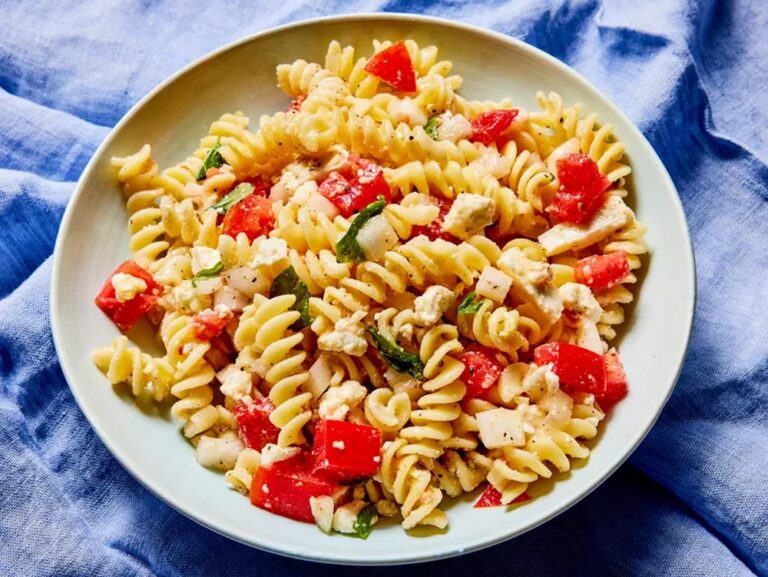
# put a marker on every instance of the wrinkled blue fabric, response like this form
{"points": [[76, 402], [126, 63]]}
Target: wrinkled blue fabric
{"points": [[692, 75]]}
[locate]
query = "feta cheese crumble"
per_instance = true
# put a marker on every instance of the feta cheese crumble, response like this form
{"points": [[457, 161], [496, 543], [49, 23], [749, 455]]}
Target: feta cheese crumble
{"points": [[579, 299], [127, 286], [272, 453], [430, 307], [347, 336], [337, 401], [469, 214], [235, 383], [270, 251]]}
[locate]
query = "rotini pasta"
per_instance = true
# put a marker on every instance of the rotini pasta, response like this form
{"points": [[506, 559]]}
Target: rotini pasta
{"points": [[384, 295]]}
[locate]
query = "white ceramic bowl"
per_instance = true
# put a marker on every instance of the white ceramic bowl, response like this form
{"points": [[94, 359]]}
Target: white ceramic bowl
{"points": [[93, 239]]}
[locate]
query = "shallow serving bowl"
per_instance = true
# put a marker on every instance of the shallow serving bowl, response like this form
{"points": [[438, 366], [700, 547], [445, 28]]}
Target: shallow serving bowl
{"points": [[94, 238]]}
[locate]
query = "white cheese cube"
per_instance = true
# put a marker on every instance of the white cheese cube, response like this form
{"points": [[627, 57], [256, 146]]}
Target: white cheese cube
{"points": [[565, 236], [500, 428], [204, 258], [532, 282], [322, 511], [431, 306], [127, 286], [493, 284], [469, 215]]}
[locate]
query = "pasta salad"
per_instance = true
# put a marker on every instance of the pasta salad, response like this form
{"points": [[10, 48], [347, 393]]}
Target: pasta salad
{"points": [[383, 296]]}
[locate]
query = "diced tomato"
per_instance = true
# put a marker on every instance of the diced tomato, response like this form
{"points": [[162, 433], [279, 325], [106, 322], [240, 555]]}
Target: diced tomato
{"points": [[578, 369], [296, 103], [285, 487], [393, 65], [581, 189], [492, 498], [434, 229], [615, 381], [603, 271], [210, 323], [345, 451], [253, 421], [355, 186], [125, 314], [481, 369], [253, 215], [213, 171], [489, 126]]}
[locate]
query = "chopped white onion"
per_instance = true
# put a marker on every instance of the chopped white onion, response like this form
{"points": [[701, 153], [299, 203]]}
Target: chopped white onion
{"points": [[558, 407], [247, 281], [207, 286], [493, 284], [319, 376], [231, 298], [218, 453], [376, 237]]}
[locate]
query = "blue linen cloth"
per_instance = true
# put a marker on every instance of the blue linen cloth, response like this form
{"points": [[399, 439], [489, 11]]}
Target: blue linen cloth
{"points": [[692, 74]]}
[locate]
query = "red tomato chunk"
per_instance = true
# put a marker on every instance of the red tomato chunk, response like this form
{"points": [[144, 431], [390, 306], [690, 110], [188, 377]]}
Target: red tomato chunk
{"points": [[285, 487], [489, 126], [615, 382], [393, 65], [481, 369], [296, 103], [581, 189], [356, 186], [209, 324], [434, 229], [253, 421], [125, 314], [492, 498], [579, 369], [345, 451], [252, 215], [602, 272]]}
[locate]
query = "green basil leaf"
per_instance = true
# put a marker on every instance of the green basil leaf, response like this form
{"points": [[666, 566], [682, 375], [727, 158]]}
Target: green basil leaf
{"points": [[467, 306], [398, 358], [431, 127], [236, 195], [348, 249], [212, 160], [207, 273], [364, 522], [289, 283]]}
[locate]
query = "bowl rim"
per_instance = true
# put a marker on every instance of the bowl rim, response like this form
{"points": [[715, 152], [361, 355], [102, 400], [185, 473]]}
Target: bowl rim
{"points": [[385, 558]]}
